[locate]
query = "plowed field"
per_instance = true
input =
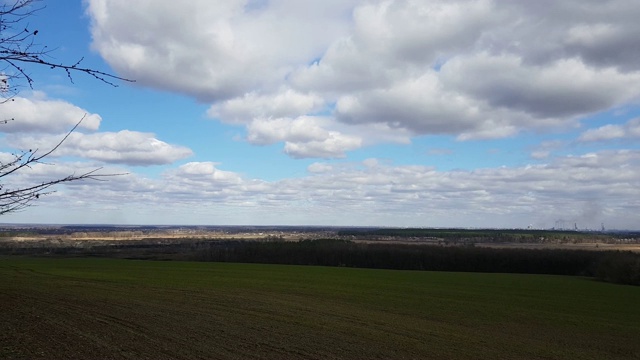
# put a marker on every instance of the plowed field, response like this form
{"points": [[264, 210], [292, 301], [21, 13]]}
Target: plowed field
{"points": [[123, 309]]}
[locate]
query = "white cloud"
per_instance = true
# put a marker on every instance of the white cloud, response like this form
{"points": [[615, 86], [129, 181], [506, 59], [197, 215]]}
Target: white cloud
{"points": [[40, 114], [587, 189], [213, 50], [304, 137], [205, 172], [302, 129], [323, 78], [481, 71], [333, 146], [243, 110], [630, 130], [396, 39], [472, 69], [123, 147], [421, 106], [558, 90], [39, 123], [38, 173]]}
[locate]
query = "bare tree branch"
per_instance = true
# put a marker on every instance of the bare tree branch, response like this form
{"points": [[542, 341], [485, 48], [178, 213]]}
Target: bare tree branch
{"points": [[12, 200], [18, 50], [16, 200]]}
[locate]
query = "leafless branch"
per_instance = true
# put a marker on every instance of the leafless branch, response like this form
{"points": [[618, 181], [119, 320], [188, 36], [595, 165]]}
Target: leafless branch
{"points": [[12, 200], [19, 199], [19, 50]]}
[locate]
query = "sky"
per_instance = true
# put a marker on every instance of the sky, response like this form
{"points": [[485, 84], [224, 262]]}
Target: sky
{"points": [[426, 113]]}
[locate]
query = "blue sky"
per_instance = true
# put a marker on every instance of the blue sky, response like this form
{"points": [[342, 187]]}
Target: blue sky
{"points": [[465, 113]]}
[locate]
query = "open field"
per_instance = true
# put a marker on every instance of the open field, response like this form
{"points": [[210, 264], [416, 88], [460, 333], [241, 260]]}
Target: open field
{"points": [[123, 309], [31, 239]]}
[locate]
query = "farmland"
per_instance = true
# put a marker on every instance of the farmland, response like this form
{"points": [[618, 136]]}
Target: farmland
{"points": [[124, 309], [54, 238]]}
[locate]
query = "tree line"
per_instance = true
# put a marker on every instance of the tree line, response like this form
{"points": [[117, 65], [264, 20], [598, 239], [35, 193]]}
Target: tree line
{"points": [[611, 266]]}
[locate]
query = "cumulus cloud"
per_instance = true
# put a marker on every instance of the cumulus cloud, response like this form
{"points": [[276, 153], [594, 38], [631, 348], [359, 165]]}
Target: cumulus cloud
{"points": [[213, 50], [472, 69], [485, 83], [305, 136], [36, 122], [630, 130], [333, 146], [585, 188], [392, 40], [123, 147], [205, 172], [302, 129], [560, 89], [245, 109], [323, 78], [40, 114]]}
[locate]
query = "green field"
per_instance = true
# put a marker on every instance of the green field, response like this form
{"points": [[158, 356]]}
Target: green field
{"points": [[124, 309]]}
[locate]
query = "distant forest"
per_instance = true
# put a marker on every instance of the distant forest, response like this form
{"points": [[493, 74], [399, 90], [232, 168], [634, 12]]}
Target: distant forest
{"points": [[612, 266], [488, 235]]}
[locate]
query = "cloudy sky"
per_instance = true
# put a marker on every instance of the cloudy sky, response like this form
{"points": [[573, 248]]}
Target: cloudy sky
{"points": [[429, 113]]}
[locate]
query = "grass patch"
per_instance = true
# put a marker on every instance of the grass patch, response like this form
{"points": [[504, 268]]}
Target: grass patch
{"points": [[119, 309]]}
